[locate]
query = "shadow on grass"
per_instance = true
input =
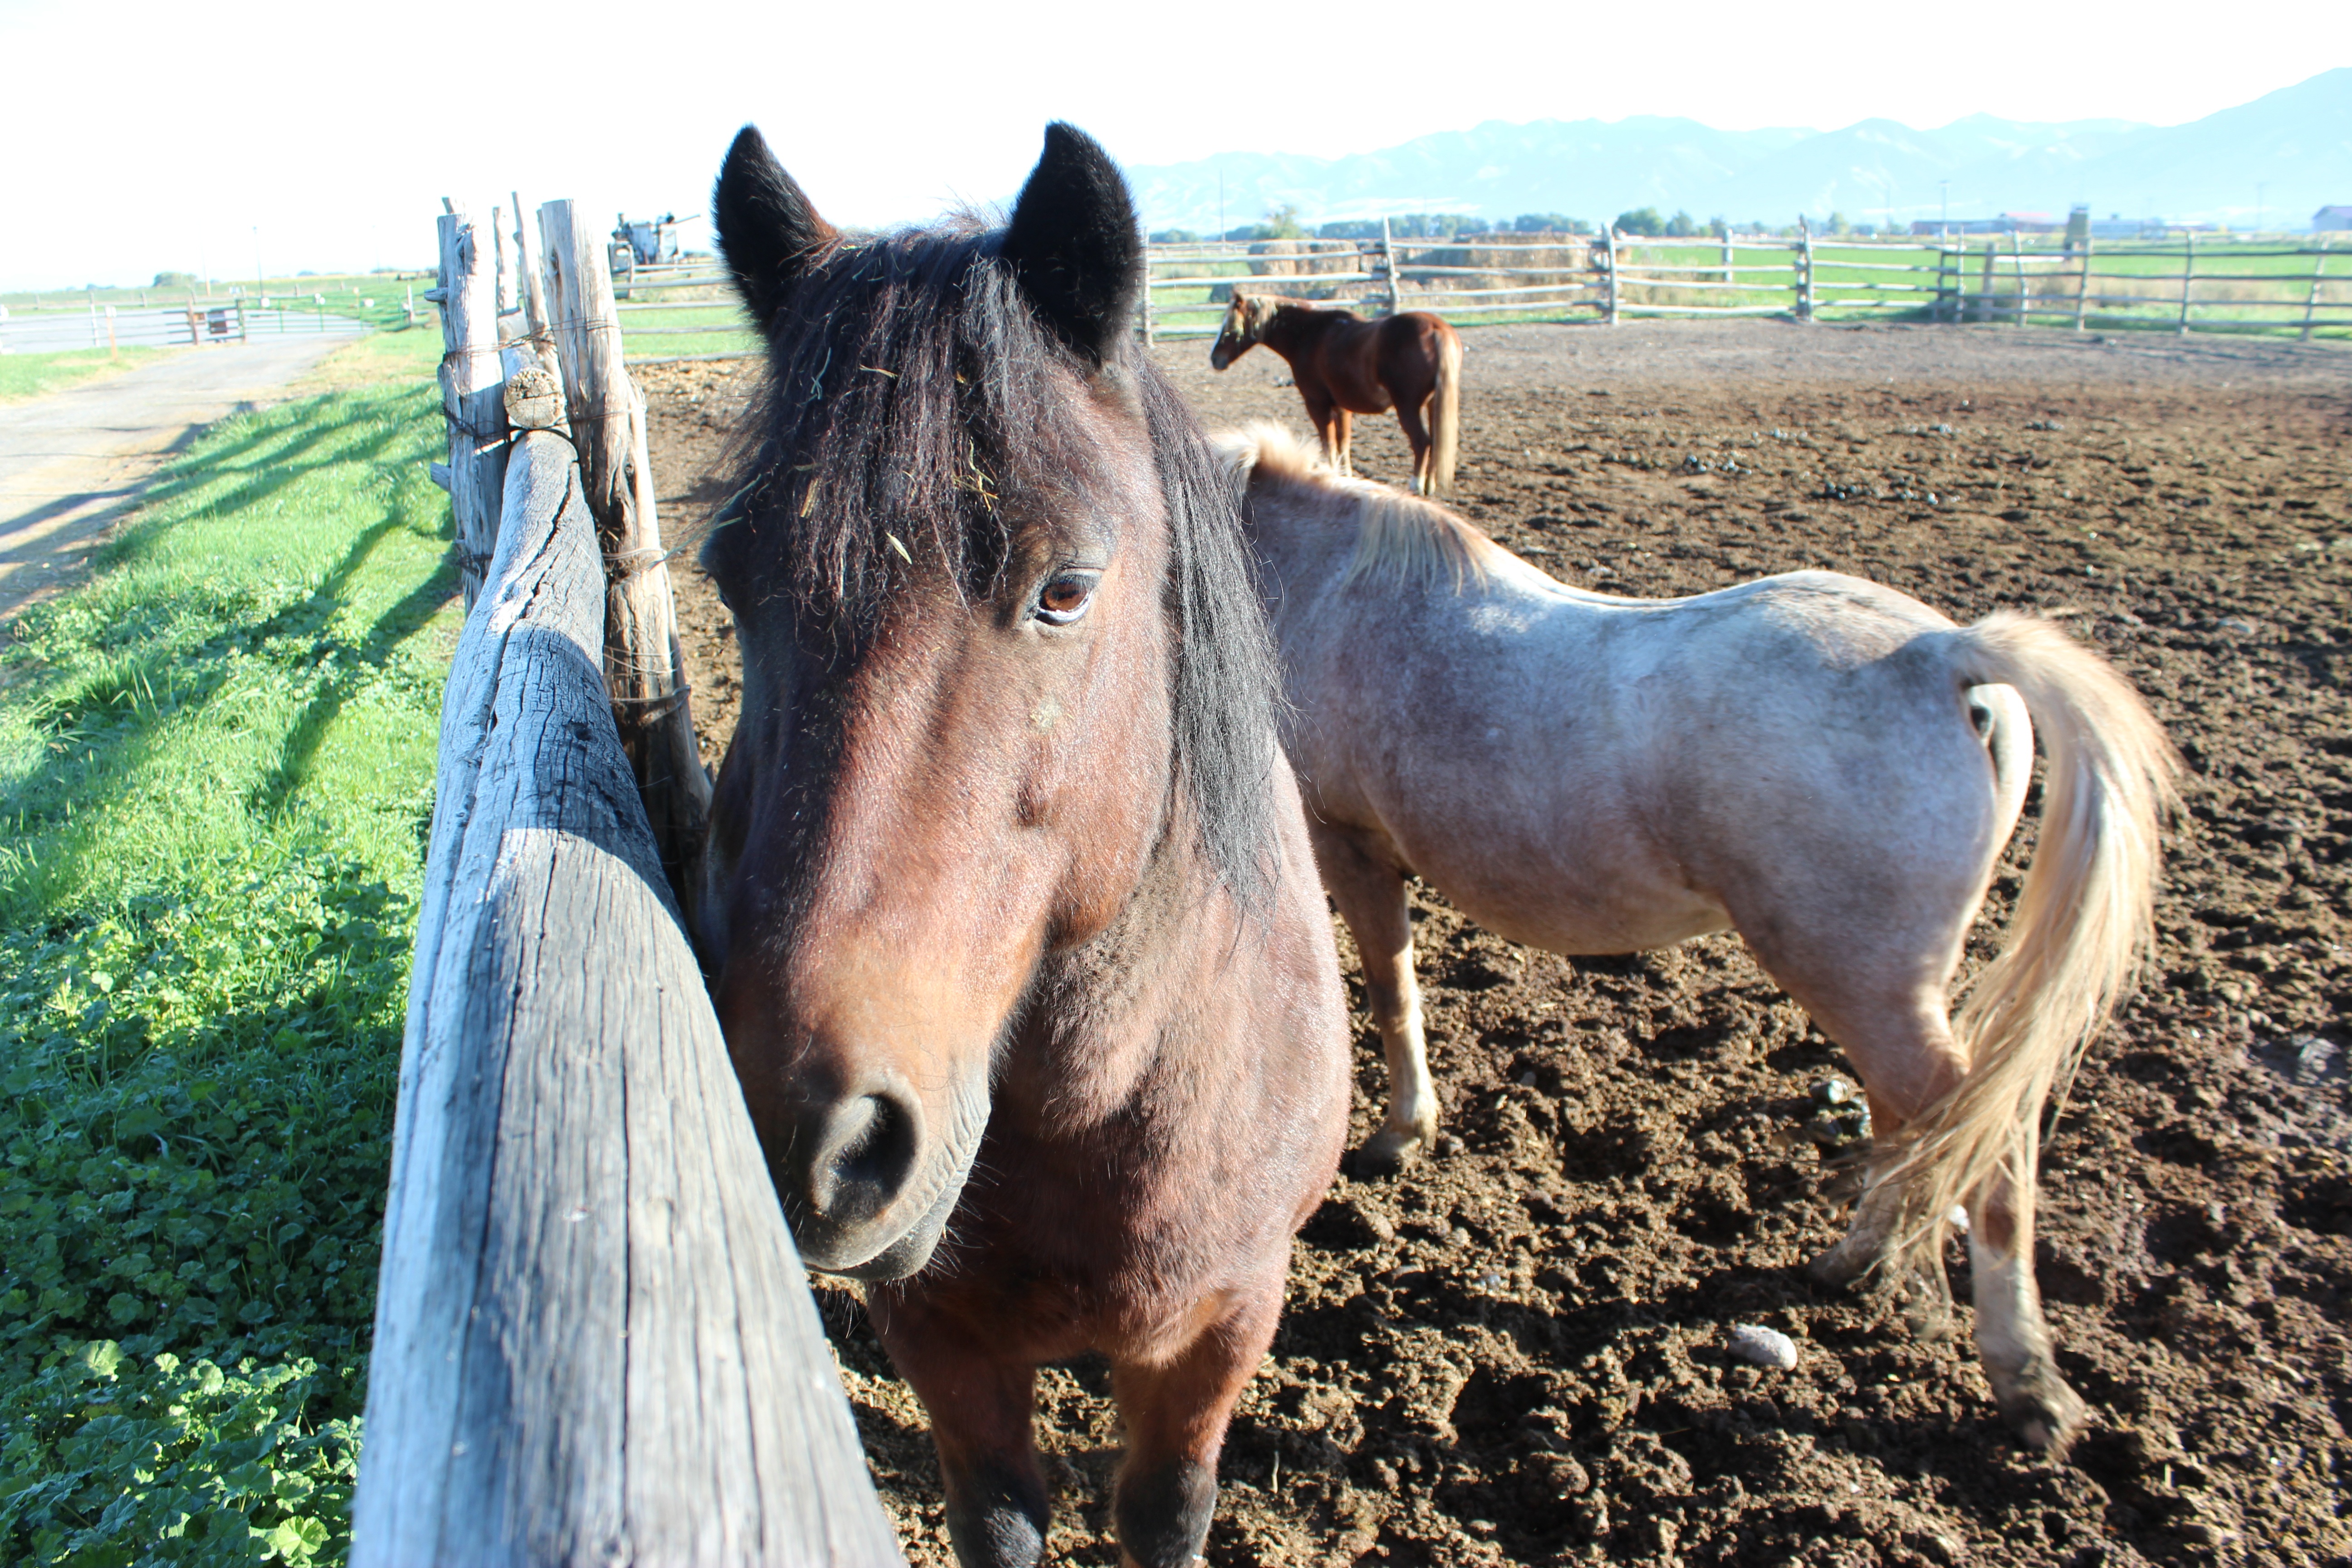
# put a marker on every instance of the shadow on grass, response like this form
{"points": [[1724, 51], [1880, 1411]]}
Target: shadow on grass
{"points": [[108, 728], [391, 628]]}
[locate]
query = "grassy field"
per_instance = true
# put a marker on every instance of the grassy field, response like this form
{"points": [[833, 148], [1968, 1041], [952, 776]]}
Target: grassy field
{"points": [[216, 771], [703, 322], [37, 375]]}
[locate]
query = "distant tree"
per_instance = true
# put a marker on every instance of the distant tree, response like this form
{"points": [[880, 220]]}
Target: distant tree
{"points": [[1718, 228], [1282, 223], [1643, 221], [174, 280], [1681, 225], [1173, 237], [1549, 223], [1838, 223]]}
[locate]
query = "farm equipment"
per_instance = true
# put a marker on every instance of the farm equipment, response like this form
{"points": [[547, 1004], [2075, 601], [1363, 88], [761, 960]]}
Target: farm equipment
{"points": [[646, 242]]}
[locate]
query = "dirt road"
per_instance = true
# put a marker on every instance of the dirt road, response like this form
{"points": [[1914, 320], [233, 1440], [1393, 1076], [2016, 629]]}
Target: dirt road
{"points": [[73, 462]]}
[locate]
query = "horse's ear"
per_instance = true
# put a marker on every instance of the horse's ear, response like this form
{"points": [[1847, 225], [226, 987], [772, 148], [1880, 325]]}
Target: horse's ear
{"points": [[1074, 243], [767, 229]]}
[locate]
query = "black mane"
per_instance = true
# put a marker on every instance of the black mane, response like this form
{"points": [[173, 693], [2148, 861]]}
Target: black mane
{"points": [[908, 413]]}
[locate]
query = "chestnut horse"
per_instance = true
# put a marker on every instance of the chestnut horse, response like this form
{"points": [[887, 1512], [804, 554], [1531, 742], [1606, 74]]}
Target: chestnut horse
{"points": [[1823, 764], [1343, 364], [1015, 931]]}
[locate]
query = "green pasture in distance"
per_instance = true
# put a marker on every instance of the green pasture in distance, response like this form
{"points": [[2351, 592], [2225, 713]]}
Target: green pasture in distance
{"points": [[689, 327], [216, 763], [346, 294], [37, 375]]}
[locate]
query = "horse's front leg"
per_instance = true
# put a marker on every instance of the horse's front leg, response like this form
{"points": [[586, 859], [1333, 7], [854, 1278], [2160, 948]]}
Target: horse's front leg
{"points": [[2013, 1337], [1175, 1412], [997, 1504], [1344, 425], [1370, 895]]}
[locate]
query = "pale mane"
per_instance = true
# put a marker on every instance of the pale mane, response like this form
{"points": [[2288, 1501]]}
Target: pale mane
{"points": [[1401, 538]]}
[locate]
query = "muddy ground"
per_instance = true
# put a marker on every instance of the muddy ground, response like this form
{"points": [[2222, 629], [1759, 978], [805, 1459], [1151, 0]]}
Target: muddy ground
{"points": [[1513, 1353]]}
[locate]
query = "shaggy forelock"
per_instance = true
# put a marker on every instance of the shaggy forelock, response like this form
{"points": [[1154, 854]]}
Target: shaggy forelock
{"points": [[916, 408]]}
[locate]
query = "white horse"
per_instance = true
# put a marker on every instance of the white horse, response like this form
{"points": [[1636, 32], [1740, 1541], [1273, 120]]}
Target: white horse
{"points": [[1820, 762]]}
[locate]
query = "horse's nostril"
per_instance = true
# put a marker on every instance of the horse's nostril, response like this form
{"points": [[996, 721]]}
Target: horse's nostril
{"points": [[863, 1157]]}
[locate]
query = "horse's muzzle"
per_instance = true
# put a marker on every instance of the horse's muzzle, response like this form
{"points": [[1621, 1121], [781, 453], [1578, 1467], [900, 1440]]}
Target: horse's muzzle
{"points": [[868, 1186]]}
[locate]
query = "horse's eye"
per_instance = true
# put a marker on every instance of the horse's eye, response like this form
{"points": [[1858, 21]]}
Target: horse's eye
{"points": [[1066, 597]]}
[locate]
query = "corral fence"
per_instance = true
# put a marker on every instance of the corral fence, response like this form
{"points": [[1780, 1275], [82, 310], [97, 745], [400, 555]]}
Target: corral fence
{"points": [[2184, 284], [594, 1339], [687, 309], [58, 329]]}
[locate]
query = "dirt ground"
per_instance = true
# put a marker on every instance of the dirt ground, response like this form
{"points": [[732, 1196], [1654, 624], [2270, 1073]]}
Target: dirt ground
{"points": [[1514, 1353]]}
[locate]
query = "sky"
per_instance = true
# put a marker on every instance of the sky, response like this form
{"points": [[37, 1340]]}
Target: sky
{"points": [[282, 137]]}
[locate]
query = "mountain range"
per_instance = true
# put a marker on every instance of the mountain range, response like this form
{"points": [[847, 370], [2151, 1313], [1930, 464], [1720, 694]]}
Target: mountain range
{"points": [[2269, 164]]}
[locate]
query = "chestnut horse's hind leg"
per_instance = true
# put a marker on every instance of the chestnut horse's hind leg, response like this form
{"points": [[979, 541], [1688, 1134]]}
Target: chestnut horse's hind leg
{"points": [[1175, 1413], [1416, 435], [1370, 895], [997, 1503]]}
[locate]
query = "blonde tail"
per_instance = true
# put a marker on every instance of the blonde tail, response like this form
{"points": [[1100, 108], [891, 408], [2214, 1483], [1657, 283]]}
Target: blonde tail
{"points": [[2083, 927], [1446, 414]]}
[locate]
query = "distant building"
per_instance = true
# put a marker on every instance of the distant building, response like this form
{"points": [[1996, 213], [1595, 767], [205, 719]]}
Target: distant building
{"points": [[2331, 220]]}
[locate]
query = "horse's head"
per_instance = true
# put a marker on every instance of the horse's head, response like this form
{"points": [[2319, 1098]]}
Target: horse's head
{"points": [[972, 607], [1244, 322]]}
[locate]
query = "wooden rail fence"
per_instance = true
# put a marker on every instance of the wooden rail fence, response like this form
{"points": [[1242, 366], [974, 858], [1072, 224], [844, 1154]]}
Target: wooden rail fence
{"points": [[593, 1342], [2185, 284]]}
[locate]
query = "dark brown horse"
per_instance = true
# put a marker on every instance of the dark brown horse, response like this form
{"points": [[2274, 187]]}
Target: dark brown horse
{"points": [[1017, 941], [1343, 365]]}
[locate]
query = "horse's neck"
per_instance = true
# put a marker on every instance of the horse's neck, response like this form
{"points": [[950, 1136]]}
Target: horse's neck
{"points": [[1291, 332], [1108, 1021], [1301, 543]]}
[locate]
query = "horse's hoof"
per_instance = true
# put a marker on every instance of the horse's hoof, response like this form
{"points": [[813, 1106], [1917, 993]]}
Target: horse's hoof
{"points": [[1840, 1266], [1389, 1150], [2046, 1415]]}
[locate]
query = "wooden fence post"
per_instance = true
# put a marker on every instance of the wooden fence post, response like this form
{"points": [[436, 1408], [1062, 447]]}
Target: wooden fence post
{"points": [[2311, 301], [528, 288], [2083, 285], [1611, 232], [643, 668], [1804, 268], [472, 392], [2188, 275], [2017, 264], [1985, 301], [499, 263], [1727, 255], [593, 1340], [1388, 259]]}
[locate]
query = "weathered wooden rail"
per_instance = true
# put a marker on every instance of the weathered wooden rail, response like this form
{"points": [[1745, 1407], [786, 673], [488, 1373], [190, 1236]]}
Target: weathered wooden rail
{"points": [[593, 1342], [2181, 284]]}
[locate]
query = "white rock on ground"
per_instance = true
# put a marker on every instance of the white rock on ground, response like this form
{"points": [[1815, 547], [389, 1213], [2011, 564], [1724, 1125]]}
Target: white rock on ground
{"points": [[1763, 1346]]}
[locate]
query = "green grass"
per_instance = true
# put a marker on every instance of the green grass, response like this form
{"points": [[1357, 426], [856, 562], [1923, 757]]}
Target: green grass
{"points": [[216, 768], [38, 375], [690, 326]]}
